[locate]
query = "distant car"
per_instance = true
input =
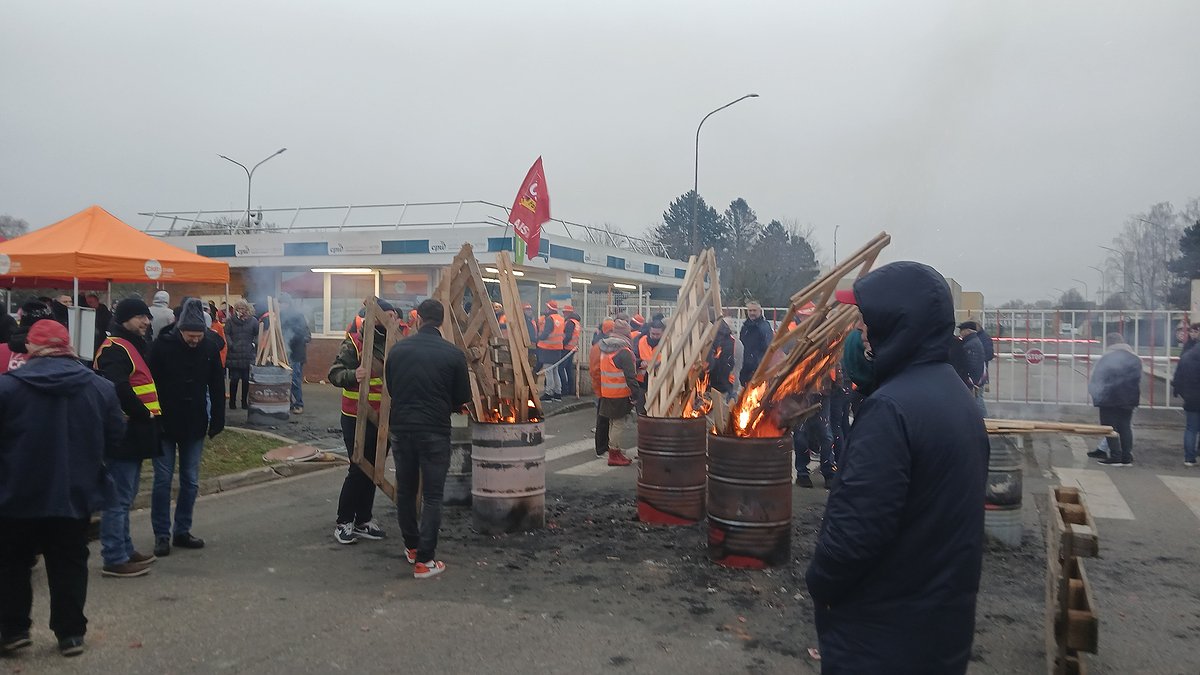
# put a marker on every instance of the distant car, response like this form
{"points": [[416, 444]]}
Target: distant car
{"points": [[1068, 330]]}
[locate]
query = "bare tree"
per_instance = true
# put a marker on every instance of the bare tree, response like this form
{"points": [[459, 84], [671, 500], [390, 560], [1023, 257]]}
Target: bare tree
{"points": [[1145, 248], [12, 227]]}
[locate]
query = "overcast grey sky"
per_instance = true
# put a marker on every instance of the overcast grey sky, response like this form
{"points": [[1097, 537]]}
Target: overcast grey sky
{"points": [[1000, 142]]}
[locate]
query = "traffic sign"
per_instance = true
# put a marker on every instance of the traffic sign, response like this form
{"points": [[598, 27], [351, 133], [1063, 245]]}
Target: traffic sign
{"points": [[1034, 356]]}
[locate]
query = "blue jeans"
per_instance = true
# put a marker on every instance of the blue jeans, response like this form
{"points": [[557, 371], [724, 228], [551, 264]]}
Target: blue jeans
{"points": [[189, 486], [115, 544], [814, 434], [1190, 435], [297, 380]]}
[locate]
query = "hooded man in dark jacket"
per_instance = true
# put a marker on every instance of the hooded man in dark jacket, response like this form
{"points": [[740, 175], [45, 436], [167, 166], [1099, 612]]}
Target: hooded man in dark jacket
{"points": [[57, 421], [427, 380], [1116, 389], [186, 362], [121, 359], [896, 568]]}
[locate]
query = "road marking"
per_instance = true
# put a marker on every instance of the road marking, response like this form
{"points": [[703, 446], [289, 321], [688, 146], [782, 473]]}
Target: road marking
{"points": [[568, 449], [1187, 489], [1103, 498], [596, 467]]}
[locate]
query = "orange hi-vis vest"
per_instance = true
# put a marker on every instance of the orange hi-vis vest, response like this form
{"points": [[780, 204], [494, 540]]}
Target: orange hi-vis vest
{"points": [[555, 339], [644, 353], [374, 391], [139, 378], [612, 378], [574, 343]]}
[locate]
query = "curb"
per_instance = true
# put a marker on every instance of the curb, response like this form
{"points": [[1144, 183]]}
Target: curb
{"points": [[572, 407], [233, 481]]}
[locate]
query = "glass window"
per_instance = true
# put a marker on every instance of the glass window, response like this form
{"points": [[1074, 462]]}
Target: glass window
{"points": [[347, 292], [308, 293], [405, 290]]}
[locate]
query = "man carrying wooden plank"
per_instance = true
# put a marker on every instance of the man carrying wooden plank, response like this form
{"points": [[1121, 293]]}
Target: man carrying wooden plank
{"points": [[354, 515]]}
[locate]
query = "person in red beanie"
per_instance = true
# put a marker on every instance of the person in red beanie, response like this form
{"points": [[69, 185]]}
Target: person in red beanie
{"points": [[58, 419]]}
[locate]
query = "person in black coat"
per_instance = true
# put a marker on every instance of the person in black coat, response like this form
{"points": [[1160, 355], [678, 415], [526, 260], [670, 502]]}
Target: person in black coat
{"points": [[58, 419], [1186, 385], [186, 363], [975, 360], [896, 569], [721, 359], [1116, 389], [241, 334], [756, 335], [427, 379], [121, 359]]}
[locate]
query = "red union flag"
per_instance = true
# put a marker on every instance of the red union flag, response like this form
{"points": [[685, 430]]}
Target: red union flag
{"points": [[531, 208]]}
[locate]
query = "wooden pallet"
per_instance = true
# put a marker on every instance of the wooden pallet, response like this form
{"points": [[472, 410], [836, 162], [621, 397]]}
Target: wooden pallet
{"points": [[375, 368], [1072, 626], [999, 426], [802, 352], [679, 365], [272, 348], [514, 373]]}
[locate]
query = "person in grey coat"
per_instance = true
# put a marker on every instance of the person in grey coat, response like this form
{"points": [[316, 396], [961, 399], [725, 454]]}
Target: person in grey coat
{"points": [[161, 314], [1116, 389]]}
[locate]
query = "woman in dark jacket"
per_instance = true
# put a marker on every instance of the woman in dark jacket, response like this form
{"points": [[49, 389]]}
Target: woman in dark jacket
{"points": [[241, 334]]}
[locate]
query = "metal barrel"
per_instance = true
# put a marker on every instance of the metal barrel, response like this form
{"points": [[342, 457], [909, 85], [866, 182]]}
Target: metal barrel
{"points": [[1002, 518], [508, 477], [671, 470], [458, 478], [270, 395], [749, 501]]}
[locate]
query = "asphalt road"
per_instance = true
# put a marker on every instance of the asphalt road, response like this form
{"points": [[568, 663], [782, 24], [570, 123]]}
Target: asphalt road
{"points": [[595, 591]]}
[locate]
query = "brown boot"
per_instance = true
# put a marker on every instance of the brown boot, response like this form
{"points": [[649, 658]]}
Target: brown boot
{"points": [[618, 458]]}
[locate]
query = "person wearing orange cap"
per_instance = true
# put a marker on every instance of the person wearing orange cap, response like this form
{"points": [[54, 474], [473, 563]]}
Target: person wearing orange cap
{"points": [[571, 332], [550, 341], [637, 326]]}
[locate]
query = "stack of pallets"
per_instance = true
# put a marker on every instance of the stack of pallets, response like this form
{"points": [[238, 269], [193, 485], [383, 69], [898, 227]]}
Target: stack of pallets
{"points": [[1071, 624]]}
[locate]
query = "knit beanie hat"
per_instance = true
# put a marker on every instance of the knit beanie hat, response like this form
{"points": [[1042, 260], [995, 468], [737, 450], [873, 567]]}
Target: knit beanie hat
{"points": [[33, 312], [191, 315], [129, 308]]}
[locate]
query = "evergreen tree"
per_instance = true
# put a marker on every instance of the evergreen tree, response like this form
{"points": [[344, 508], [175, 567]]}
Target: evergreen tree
{"points": [[675, 232]]}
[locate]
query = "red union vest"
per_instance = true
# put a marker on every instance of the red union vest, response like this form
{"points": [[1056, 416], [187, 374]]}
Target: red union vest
{"points": [[374, 390], [555, 339], [612, 378], [139, 378]]}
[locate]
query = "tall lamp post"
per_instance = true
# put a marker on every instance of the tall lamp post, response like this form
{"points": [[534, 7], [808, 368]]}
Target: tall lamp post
{"points": [[696, 180], [1100, 290], [250, 178], [1085, 288]]}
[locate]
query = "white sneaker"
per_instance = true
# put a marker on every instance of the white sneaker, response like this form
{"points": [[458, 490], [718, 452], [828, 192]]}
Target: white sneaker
{"points": [[344, 534], [369, 530], [1189, 464]]}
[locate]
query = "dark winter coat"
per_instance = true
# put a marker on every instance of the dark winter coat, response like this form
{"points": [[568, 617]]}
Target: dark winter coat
{"points": [[141, 429], [896, 568], [720, 359], [957, 357], [1116, 380], [57, 421], [973, 350], [184, 376], [756, 336], [296, 334], [426, 376], [989, 347], [241, 335], [1186, 381]]}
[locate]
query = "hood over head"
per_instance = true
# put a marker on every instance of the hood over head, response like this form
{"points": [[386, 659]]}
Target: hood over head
{"points": [[613, 343], [162, 299], [909, 314]]}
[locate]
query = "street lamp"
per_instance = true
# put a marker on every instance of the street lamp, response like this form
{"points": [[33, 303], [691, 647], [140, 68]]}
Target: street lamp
{"points": [[1085, 288], [1100, 290], [250, 178], [696, 178]]}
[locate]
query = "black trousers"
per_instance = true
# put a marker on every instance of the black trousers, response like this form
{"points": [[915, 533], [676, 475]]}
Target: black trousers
{"points": [[424, 457], [63, 545], [1121, 420], [358, 490], [235, 375]]}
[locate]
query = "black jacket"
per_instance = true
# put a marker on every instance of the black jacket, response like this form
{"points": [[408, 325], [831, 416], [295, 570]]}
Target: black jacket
{"points": [[141, 429], [1116, 381], [1186, 381], [721, 359], [184, 377], [241, 336], [896, 568], [756, 336], [426, 376], [976, 360], [989, 346], [57, 420]]}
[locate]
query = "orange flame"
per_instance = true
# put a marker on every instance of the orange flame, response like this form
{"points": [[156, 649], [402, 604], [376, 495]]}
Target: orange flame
{"points": [[698, 403], [506, 413], [751, 415]]}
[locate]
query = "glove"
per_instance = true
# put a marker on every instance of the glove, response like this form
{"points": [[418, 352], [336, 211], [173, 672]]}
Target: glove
{"points": [[215, 428]]}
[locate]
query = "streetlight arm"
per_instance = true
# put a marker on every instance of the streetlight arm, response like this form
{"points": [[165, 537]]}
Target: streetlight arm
{"points": [[277, 153], [696, 175], [238, 163]]}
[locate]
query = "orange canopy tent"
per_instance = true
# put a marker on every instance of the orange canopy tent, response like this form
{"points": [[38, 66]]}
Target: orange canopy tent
{"points": [[94, 245]]}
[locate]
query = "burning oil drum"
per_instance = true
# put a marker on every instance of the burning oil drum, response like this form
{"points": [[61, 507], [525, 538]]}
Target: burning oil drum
{"points": [[270, 395], [458, 478], [508, 479], [671, 470], [1002, 502], [749, 501]]}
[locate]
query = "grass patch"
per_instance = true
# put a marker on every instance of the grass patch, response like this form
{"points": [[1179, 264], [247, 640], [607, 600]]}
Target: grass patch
{"points": [[230, 452]]}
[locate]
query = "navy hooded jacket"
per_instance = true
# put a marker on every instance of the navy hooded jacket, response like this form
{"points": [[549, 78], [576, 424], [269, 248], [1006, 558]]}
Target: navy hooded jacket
{"points": [[897, 563], [57, 419]]}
